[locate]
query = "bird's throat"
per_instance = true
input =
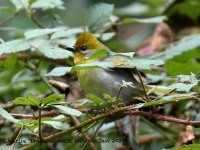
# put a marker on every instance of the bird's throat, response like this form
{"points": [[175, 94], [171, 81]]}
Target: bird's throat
{"points": [[78, 58]]}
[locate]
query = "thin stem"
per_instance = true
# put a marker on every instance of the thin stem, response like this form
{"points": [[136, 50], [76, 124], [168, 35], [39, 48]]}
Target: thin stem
{"points": [[173, 90], [40, 123], [76, 121], [139, 75], [99, 127], [30, 66], [90, 126], [118, 93], [49, 113], [19, 133], [10, 17], [30, 14]]}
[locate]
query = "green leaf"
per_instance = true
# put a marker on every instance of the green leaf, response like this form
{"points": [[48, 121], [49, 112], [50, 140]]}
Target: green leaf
{"points": [[20, 4], [60, 118], [7, 116], [107, 36], [59, 71], [40, 32], [69, 32], [49, 49], [55, 52], [50, 4], [30, 100], [188, 55], [93, 65], [185, 44], [67, 110], [182, 86], [99, 54], [98, 16], [166, 100], [57, 124], [181, 67], [52, 99], [10, 62], [139, 63], [188, 78], [31, 124], [184, 63], [158, 19], [142, 63], [136, 8], [185, 8], [173, 97], [158, 90], [33, 99], [70, 41], [7, 9], [187, 147], [128, 54], [95, 99], [14, 46]]}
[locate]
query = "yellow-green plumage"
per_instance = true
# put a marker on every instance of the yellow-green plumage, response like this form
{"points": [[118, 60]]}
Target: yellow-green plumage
{"points": [[99, 81]]}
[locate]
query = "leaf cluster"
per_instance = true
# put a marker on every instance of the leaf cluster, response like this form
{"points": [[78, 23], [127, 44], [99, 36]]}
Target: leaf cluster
{"points": [[37, 52]]}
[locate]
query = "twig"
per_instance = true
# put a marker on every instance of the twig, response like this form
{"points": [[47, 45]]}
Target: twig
{"points": [[18, 134], [30, 14], [114, 112], [173, 90], [118, 93], [162, 117], [50, 113], [30, 66], [99, 127], [10, 17], [76, 121], [139, 75], [40, 124], [7, 105], [96, 111], [60, 85], [77, 127]]}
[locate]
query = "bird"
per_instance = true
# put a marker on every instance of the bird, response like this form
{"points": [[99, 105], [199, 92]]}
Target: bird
{"points": [[100, 81]]}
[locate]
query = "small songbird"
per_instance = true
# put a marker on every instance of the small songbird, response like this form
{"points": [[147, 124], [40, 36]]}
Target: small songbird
{"points": [[100, 81]]}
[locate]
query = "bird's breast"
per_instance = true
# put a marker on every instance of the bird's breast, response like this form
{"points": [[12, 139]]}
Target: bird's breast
{"points": [[100, 81]]}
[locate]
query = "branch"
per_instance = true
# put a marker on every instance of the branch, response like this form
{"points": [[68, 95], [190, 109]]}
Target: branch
{"points": [[124, 110], [77, 127], [162, 117], [48, 114]]}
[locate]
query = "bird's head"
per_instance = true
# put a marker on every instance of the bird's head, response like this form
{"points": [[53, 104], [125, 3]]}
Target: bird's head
{"points": [[86, 44]]}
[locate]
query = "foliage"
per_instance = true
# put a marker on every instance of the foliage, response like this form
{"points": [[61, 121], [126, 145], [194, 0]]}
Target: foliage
{"points": [[33, 53]]}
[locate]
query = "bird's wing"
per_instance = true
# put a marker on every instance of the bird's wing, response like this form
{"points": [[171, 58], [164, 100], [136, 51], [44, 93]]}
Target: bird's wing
{"points": [[119, 60]]}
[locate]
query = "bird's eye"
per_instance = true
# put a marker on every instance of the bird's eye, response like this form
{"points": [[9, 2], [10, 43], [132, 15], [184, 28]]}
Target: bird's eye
{"points": [[83, 48]]}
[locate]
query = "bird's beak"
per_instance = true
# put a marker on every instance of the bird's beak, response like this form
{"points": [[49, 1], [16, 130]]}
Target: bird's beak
{"points": [[70, 48]]}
